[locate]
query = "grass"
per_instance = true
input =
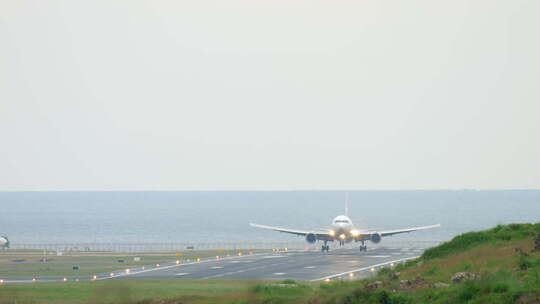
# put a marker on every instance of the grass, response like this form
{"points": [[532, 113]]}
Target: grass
{"points": [[502, 257], [498, 235], [28, 264], [125, 291], [157, 291]]}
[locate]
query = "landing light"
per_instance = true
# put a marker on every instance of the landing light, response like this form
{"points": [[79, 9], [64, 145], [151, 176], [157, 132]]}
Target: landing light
{"points": [[332, 233], [65, 279], [112, 274], [127, 271], [351, 274], [342, 236], [1, 281], [355, 233], [177, 262], [327, 280], [94, 278]]}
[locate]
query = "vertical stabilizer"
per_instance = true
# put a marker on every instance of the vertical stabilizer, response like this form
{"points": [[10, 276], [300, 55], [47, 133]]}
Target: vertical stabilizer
{"points": [[347, 204]]}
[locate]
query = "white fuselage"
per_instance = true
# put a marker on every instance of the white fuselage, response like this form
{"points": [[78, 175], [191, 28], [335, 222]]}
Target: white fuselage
{"points": [[343, 229]]}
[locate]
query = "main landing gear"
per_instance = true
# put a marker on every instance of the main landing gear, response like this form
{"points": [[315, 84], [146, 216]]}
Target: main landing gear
{"points": [[363, 247], [325, 247]]}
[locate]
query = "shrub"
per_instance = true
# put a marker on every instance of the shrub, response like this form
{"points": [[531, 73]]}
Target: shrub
{"points": [[501, 287], [384, 297], [524, 263], [468, 291]]}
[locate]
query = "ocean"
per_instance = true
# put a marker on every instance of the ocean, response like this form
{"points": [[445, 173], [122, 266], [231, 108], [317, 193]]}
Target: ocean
{"points": [[224, 216]]}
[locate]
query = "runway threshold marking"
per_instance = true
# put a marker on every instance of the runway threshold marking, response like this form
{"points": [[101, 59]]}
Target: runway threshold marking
{"points": [[363, 269]]}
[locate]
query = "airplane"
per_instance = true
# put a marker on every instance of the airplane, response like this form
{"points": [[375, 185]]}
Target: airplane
{"points": [[4, 242], [343, 231]]}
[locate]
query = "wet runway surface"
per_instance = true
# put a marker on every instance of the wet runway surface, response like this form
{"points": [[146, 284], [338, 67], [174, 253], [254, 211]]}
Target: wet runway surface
{"points": [[297, 265]]}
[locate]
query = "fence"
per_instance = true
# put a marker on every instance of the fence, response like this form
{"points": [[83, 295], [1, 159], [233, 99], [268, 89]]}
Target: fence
{"points": [[176, 246]]}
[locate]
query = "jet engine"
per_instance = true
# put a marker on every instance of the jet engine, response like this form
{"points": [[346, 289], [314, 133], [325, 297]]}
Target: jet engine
{"points": [[311, 238], [376, 238]]}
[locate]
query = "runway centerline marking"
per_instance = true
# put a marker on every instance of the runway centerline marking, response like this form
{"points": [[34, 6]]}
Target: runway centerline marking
{"points": [[181, 274], [172, 266]]}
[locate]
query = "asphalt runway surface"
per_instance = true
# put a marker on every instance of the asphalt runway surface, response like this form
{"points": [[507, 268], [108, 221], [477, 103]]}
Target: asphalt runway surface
{"points": [[297, 265], [293, 264]]}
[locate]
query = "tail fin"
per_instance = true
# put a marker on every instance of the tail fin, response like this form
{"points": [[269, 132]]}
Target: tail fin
{"points": [[347, 204]]}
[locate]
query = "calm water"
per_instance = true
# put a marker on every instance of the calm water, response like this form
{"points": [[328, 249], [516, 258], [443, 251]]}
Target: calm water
{"points": [[63, 217]]}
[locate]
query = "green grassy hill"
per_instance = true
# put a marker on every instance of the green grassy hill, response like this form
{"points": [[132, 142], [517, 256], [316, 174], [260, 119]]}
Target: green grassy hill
{"points": [[498, 265], [502, 260]]}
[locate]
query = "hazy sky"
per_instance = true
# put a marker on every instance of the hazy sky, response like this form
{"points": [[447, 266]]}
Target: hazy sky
{"points": [[195, 95]]}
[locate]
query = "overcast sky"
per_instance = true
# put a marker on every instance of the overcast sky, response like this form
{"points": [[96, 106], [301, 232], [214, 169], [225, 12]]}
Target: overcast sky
{"points": [[263, 95]]}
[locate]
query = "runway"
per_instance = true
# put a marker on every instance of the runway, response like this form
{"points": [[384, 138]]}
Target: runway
{"points": [[293, 264], [297, 265]]}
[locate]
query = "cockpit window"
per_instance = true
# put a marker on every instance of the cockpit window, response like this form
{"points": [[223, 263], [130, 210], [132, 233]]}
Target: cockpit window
{"points": [[341, 221]]}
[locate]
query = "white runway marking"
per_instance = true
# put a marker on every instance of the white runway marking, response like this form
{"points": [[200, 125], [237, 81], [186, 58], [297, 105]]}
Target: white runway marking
{"points": [[376, 256], [279, 273], [309, 267], [171, 266], [216, 267], [363, 269], [273, 256], [182, 274]]}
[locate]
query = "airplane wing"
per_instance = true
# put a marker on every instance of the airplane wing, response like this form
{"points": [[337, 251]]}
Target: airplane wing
{"points": [[321, 235], [397, 231]]}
